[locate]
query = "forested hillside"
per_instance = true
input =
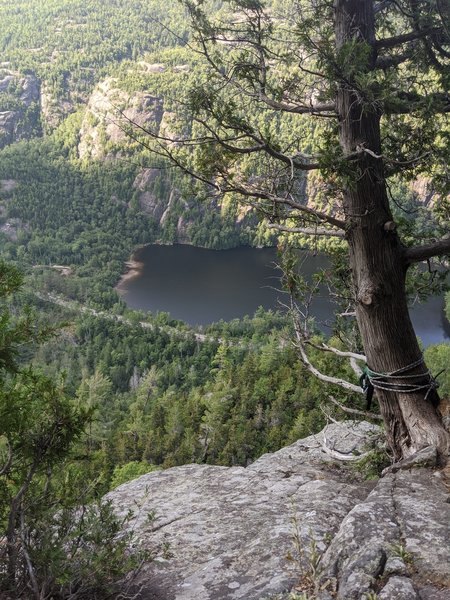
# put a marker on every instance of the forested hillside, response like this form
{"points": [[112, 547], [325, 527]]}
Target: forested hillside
{"points": [[77, 181]]}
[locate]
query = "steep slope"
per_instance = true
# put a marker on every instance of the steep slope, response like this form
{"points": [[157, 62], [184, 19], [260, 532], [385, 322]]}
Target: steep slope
{"points": [[19, 106]]}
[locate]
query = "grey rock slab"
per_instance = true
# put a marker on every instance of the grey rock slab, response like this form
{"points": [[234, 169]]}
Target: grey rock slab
{"points": [[359, 551], [228, 535], [433, 593], [404, 522], [395, 566], [234, 533], [237, 533], [423, 515]]}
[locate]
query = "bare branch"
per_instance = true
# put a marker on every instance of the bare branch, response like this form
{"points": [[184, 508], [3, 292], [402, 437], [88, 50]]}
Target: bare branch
{"points": [[420, 253], [351, 355], [356, 368], [299, 109], [406, 37], [340, 455], [341, 353], [289, 201], [319, 231], [307, 363], [30, 568], [355, 411]]}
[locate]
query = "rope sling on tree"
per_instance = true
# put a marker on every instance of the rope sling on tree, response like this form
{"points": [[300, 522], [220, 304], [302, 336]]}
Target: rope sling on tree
{"points": [[371, 380]]}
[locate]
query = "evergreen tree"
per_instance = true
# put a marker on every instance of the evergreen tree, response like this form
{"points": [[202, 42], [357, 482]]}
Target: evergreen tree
{"points": [[54, 543]]}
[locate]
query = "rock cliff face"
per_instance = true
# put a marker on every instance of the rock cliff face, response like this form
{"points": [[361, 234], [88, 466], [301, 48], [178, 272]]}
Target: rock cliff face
{"points": [[54, 110], [293, 519], [164, 201], [102, 131], [19, 106]]}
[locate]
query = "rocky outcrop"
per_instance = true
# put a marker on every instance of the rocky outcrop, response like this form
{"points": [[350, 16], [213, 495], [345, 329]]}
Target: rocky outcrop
{"points": [[397, 540], [293, 519], [109, 112], [151, 201], [158, 197], [19, 106], [53, 109]]}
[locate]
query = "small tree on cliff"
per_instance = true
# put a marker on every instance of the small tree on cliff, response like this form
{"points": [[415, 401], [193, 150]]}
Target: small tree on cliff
{"points": [[371, 79]]}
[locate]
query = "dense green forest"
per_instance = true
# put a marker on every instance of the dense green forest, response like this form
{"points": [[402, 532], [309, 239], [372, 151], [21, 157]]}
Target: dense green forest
{"points": [[68, 194], [69, 45]]}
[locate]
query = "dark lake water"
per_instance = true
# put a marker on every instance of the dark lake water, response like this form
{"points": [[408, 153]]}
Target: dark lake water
{"points": [[200, 286]]}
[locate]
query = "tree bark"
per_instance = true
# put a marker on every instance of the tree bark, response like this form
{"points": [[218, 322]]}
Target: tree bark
{"points": [[377, 257]]}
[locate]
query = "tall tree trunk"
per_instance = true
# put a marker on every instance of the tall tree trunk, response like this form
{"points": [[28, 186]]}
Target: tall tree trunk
{"points": [[377, 257]]}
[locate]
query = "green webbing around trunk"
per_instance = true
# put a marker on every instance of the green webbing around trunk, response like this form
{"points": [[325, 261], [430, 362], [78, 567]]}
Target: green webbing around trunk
{"points": [[389, 382]]}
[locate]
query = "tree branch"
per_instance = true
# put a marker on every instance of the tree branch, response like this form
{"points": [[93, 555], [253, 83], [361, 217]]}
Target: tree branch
{"points": [[8, 462], [229, 186], [299, 109], [263, 145], [420, 253], [355, 411], [30, 568], [351, 355], [406, 37], [384, 62], [381, 6], [356, 368], [407, 102], [341, 353], [340, 455], [288, 201], [307, 363]]}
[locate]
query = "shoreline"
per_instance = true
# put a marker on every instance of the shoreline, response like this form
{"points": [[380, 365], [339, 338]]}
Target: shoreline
{"points": [[133, 269]]}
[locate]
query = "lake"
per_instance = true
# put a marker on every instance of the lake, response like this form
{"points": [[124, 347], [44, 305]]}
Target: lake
{"points": [[201, 286]]}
